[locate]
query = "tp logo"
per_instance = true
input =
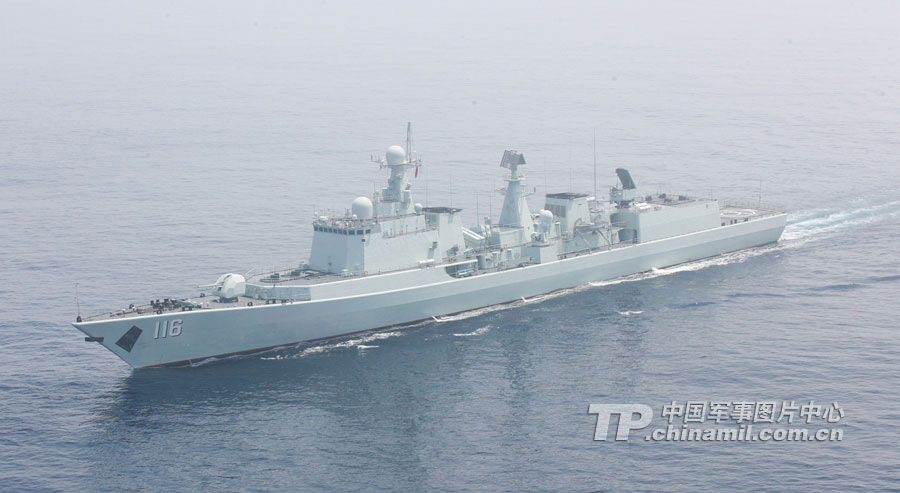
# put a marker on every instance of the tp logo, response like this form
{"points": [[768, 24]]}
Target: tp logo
{"points": [[626, 414]]}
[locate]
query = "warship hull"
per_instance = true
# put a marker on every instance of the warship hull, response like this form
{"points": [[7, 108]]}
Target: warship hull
{"points": [[394, 299]]}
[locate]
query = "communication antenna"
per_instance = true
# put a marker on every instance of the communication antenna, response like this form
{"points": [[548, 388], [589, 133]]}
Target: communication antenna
{"points": [[409, 144], [77, 303], [595, 164], [477, 214], [491, 201], [412, 158]]}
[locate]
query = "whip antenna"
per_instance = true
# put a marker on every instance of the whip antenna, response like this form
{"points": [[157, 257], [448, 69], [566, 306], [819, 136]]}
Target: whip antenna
{"points": [[77, 303], [595, 165]]}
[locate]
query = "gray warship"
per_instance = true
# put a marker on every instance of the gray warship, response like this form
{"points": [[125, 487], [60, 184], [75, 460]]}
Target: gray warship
{"points": [[389, 261]]}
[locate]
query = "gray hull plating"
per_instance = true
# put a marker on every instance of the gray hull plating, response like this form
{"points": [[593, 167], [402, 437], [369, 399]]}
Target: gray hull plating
{"points": [[422, 294]]}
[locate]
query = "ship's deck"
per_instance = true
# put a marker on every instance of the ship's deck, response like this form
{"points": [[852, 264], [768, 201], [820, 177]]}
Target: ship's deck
{"points": [[296, 277], [736, 214], [170, 306]]}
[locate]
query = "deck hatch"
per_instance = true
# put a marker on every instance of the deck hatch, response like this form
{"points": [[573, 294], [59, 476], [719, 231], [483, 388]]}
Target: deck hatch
{"points": [[128, 339]]}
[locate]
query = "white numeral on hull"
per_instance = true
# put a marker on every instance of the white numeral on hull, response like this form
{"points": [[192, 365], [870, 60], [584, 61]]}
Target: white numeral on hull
{"points": [[167, 330]]}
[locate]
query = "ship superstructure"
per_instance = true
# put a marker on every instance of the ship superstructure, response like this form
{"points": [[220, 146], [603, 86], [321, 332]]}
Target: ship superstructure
{"points": [[389, 261]]}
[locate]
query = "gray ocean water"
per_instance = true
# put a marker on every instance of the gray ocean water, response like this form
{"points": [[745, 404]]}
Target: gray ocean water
{"points": [[146, 148]]}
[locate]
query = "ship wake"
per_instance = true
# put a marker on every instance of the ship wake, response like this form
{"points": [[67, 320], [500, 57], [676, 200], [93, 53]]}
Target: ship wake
{"points": [[476, 332], [360, 343], [815, 224]]}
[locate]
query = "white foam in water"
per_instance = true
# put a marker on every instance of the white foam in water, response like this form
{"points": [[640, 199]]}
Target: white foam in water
{"points": [[821, 223], [204, 362], [686, 267], [359, 343], [224, 358], [476, 312], [536, 299], [476, 332], [629, 313]]}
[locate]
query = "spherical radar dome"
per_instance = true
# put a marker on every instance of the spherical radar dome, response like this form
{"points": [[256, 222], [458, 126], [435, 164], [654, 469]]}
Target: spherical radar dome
{"points": [[230, 286], [546, 216], [362, 208], [395, 155]]}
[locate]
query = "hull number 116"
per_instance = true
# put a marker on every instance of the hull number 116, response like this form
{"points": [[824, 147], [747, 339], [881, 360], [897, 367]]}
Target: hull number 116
{"points": [[165, 329]]}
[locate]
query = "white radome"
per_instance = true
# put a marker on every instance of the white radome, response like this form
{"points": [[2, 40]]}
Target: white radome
{"points": [[546, 219], [230, 286], [362, 208], [546, 216], [395, 155]]}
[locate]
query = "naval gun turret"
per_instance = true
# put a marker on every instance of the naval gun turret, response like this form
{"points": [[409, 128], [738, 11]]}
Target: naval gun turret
{"points": [[228, 287]]}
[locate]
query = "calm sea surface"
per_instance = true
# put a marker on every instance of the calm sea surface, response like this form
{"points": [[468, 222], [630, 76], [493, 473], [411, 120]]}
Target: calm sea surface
{"points": [[147, 148]]}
